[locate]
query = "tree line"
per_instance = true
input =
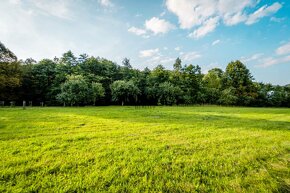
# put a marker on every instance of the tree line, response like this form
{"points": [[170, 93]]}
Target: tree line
{"points": [[86, 80]]}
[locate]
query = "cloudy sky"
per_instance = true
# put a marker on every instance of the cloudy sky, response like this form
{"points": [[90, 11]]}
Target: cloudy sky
{"points": [[210, 33]]}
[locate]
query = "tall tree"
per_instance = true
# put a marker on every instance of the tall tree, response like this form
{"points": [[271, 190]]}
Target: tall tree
{"points": [[177, 65], [74, 91], [10, 80], [126, 63], [97, 92], [239, 77], [212, 84], [124, 91], [168, 94]]}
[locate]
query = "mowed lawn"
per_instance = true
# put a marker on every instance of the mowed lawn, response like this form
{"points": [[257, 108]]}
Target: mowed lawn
{"points": [[161, 149]]}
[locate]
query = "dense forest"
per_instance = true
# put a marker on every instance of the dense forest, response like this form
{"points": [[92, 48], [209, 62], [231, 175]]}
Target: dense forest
{"points": [[87, 80]]}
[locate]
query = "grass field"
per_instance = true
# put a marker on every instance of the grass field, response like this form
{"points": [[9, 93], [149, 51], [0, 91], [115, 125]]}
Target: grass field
{"points": [[161, 149]]}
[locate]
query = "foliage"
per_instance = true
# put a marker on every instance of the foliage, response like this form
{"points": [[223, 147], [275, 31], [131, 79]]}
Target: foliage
{"points": [[45, 80], [228, 96], [74, 91], [124, 91], [168, 94], [239, 77], [10, 80], [97, 91]]}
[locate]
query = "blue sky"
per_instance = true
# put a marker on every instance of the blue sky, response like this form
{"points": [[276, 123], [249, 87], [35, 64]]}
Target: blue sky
{"points": [[210, 33]]}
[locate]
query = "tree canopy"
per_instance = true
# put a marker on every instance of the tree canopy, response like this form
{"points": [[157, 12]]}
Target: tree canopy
{"points": [[89, 80]]}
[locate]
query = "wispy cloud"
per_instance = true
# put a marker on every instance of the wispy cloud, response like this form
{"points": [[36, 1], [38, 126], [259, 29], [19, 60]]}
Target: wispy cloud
{"points": [[270, 61], [284, 49], [277, 19], [190, 56], [207, 27], [106, 3], [137, 31], [177, 48], [263, 12], [148, 53], [215, 42], [281, 56], [252, 58]]}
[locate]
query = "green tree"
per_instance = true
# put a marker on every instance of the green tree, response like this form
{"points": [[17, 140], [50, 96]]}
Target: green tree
{"points": [[212, 84], [191, 84], [74, 91], [228, 97], [213, 79], [97, 92], [38, 81], [159, 75], [10, 80], [239, 77], [124, 91], [177, 65], [126, 63], [168, 94]]}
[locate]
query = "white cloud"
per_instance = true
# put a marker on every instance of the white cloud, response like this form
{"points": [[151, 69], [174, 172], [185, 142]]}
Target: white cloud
{"points": [[267, 62], [149, 53], [281, 56], [252, 58], [163, 60], [106, 3], [165, 48], [157, 25], [263, 12], [276, 19], [190, 56], [234, 6], [197, 13], [153, 57], [234, 19], [284, 49], [167, 60], [137, 31], [162, 14], [215, 42], [177, 48], [190, 12], [206, 28], [194, 12]]}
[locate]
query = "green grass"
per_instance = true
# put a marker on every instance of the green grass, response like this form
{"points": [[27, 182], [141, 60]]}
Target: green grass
{"points": [[161, 149]]}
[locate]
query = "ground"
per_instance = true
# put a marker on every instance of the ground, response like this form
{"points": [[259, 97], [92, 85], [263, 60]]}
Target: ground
{"points": [[156, 149]]}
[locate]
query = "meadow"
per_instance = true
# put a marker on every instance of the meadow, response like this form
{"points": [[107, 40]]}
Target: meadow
{"points": [[160, 149]]}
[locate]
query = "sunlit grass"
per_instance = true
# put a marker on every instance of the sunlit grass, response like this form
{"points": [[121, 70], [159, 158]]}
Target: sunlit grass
{"points": [[161, 149]]}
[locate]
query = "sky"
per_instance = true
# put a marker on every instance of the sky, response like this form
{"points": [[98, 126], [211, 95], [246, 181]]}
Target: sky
{"points": [[208, 33]]}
